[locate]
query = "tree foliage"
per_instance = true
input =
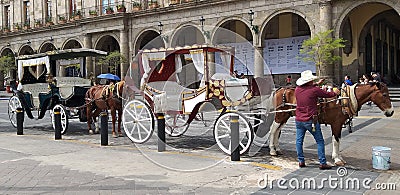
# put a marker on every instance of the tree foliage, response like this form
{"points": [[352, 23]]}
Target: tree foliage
{"points": [[319, 49], [7, 64], [112, 60]]}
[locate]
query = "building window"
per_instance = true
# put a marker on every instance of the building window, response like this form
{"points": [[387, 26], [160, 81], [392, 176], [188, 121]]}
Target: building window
{"points": [[72, 7], [26, 15], [48, 9], [7, 16], [107, 3]]}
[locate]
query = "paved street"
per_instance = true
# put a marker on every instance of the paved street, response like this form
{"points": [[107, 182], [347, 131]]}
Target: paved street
{"points": [[35, 163]]}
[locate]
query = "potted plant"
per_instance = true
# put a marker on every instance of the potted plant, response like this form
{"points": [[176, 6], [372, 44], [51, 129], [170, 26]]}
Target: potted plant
{"points": [[49, 21], [136, 6], [17, 27], [153, 4], [109, 10], [61, 19], [27, 25], [77, 14], [93, 12], [121, 8], [38, 23], [6, 29], [172, 2]]}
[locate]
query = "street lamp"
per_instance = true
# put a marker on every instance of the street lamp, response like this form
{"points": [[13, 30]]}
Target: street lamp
{"points": [[206, 33], [251, 18], [160, 29]]}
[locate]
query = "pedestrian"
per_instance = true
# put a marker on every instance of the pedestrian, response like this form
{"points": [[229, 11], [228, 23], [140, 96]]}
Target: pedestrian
{"points": [[307, 94], [366, 78], [348, 81], [236, 74], [376, 77], [289, 80]]}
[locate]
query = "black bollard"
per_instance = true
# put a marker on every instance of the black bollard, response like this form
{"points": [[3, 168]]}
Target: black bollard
{"points": [[57, 124], [235, 152], [349, 126], [20, 121], [161, 132], [104, 128]]}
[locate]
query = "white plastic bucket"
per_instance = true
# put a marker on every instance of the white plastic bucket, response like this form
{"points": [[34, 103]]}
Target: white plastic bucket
{"points": [[381, 157]]}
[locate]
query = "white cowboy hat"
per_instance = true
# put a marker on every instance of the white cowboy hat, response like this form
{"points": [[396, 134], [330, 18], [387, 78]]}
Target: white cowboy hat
{"points": [[306, 76]]}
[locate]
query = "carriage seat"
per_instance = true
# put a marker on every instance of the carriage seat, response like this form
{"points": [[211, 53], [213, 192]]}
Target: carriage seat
{"points": [[34, 91], [66, 85], [173, 91]]}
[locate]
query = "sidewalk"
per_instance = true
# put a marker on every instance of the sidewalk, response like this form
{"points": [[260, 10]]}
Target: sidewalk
{"points": [[36, 164]]}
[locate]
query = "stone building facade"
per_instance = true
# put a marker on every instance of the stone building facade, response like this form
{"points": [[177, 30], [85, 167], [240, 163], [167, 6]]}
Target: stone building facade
{"points": [[371, 28]]}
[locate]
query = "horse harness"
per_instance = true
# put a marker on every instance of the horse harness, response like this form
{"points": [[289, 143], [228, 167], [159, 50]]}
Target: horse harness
{"points": [[347, 100]]}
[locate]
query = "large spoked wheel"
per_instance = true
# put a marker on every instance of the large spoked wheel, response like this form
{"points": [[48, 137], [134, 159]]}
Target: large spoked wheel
{"points": [[64, 118], [138, 121], [222, 132], [13, 104], [176, 124]]}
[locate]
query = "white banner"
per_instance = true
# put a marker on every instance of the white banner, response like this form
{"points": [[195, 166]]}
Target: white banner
{"points": [[282, 56]]}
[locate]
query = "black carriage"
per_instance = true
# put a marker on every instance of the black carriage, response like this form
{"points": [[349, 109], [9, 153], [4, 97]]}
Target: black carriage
{"points": [[55, 79]]}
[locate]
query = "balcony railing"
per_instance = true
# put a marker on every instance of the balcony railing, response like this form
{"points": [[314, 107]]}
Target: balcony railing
{"points": [[90, 12]]}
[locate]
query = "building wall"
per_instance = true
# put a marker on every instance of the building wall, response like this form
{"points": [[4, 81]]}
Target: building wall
{"points": [[216, 13]]}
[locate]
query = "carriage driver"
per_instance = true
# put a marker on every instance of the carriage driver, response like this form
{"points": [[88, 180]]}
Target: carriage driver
{"points": [[307, 94]]}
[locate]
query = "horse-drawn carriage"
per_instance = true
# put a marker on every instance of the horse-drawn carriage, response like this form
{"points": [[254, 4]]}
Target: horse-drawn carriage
{"points": [[186, 82], [51, 80]]}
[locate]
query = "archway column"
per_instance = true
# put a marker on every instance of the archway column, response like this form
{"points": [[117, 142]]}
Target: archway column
{"points": [[325, 15], [258, 61], [89, 60], [124, 46]]}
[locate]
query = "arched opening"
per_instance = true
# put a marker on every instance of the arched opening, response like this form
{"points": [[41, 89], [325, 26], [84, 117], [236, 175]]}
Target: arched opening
{"points": [[47, 47], [282, 38], [71, 44], [187, 35], [109, 44], [8, 73], [149, 40], [375, 42]]}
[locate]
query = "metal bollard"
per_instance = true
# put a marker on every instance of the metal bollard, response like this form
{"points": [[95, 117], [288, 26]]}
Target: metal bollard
{"points": [[104, 128], [350, 125], [57, 124], [20, 121], [161, 132], [235, 152]]}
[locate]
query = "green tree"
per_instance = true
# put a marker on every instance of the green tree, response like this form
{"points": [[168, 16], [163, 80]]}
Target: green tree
{"points": [[320, 49], [112, 60]]}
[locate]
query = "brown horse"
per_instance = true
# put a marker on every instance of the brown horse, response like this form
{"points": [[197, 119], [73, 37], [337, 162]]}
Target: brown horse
{"points": [[105, 97], [330, 111]]}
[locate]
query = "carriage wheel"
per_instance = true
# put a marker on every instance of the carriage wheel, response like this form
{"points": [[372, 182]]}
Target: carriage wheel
{"points": [[64, 118], [13, 104], [222, 132], [176, 124], [138, 121]]}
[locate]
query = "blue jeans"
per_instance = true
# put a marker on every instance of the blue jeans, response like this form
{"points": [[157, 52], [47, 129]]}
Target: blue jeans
{"points": [[301, 128]]}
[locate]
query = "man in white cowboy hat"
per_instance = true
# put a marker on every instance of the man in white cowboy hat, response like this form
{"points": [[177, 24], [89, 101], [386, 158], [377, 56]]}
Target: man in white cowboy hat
{"points": [[307, 94]]}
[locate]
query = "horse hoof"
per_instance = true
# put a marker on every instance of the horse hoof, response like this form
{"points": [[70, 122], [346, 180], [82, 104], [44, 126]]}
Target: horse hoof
{"points": [[90, 132], [114, 135], [120, 135], [279, 153], [273, 153], [97, 132], [339, 163]]}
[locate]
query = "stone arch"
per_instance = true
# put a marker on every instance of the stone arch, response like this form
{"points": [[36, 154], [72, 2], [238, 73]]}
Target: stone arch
{"points": [[72, 43], [187, 34], [269, 18], [26, 49], [227, 24], [108, 43], [370, 53], [148, 39], [47, 46], [355, 4], [7, 51]]}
